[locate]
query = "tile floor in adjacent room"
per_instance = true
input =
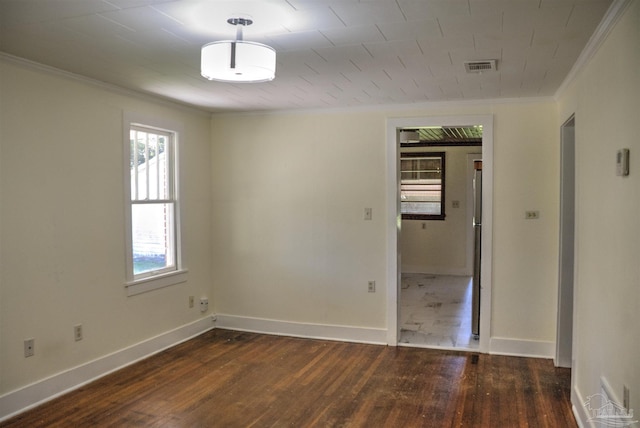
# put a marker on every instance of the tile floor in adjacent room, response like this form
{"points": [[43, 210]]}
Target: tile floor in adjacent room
{"points": [[435, 311]]}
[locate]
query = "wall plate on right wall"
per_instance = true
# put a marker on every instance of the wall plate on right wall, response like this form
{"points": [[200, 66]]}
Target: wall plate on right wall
{"points": [[622, 162]]}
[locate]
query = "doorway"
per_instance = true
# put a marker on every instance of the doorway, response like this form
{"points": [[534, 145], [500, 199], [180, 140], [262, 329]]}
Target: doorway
{"points": [[564, 337], [394, 224], [440, 237]]}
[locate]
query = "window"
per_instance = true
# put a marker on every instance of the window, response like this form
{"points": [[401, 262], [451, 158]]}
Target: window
{"points": [[422, 187], [153, 245]]}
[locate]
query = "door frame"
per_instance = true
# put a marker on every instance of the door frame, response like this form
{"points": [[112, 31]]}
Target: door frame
{"points": [[471, 158], [394, 222], [566, 251]]}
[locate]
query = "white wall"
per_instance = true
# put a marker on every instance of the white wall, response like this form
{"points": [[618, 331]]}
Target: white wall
{"points": [[62, 224], [441, 247], [606, 100], [290, 242]]}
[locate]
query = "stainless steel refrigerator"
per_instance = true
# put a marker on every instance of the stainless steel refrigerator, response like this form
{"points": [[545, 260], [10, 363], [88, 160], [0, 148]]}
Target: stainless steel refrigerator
{"points": [[477, 247]]}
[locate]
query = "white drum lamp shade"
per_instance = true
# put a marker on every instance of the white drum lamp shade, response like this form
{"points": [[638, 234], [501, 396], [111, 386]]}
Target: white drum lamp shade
{"points": [[238, 61]]}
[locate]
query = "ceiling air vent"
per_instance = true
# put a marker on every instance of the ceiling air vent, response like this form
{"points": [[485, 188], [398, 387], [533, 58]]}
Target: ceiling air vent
{"points": [[480, 66]]}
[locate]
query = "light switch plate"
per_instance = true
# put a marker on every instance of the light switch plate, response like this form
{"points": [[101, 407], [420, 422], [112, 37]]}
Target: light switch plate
{"points": [[622, 162]]}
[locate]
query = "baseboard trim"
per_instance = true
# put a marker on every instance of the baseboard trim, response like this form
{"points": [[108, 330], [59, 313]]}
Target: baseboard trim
{"points": [[304, 330], [578, 409], [20, 400], [522, 348]]}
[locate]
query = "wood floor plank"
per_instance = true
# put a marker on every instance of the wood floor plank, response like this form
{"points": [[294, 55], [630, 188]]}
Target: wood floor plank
{"points": [[235, 379]]}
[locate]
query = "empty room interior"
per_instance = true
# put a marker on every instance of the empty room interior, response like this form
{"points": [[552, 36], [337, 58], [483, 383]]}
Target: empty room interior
{"points": [[319, 213]]}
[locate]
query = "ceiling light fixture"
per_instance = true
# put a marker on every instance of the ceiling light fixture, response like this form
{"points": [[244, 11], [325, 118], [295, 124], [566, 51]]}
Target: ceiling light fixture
{"points": [[238, 60]]}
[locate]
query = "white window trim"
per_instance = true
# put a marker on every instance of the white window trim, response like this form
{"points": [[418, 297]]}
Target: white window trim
{"points": [[165, 279]]}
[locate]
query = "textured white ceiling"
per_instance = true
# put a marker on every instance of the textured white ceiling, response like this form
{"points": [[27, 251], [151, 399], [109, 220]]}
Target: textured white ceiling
{"points": [[331, 53]]}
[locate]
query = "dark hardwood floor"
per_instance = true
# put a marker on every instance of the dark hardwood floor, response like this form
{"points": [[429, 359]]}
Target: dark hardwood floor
{"points": [[234, 379]]}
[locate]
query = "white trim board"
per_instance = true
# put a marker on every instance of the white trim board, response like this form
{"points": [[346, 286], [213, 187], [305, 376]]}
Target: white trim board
{"points": [[578, 409], [388, 108], [498, 345], [47, 389], [522, 348], [172, 102], [582, 413], [304, 330]]}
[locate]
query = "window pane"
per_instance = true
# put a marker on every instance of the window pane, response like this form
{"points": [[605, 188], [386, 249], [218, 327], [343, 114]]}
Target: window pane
{"points": [[152, 236], [149, 163], [421, 184]]}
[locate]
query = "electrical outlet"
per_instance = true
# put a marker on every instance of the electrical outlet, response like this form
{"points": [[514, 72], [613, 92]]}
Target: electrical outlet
{"points": [[191, 301], [204, 304], [29, 348], [368, 213], [372, 286], [77, 332], [532, 215]]}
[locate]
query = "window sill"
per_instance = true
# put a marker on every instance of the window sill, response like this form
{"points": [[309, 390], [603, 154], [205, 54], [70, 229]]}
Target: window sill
{"points": [[156, 282], [422, 217]]}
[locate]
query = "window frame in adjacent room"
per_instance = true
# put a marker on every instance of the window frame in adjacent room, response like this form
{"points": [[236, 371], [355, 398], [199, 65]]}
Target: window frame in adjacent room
{"points": [[422, 155]]}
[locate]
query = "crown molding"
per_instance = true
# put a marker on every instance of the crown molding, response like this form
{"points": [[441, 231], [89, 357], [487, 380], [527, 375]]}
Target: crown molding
{"points": [[389, 108], [610, 19], [33, 65]]}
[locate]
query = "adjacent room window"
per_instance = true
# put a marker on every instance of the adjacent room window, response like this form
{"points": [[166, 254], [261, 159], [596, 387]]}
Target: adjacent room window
{"points": [[422, 185], [153, 245]]}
